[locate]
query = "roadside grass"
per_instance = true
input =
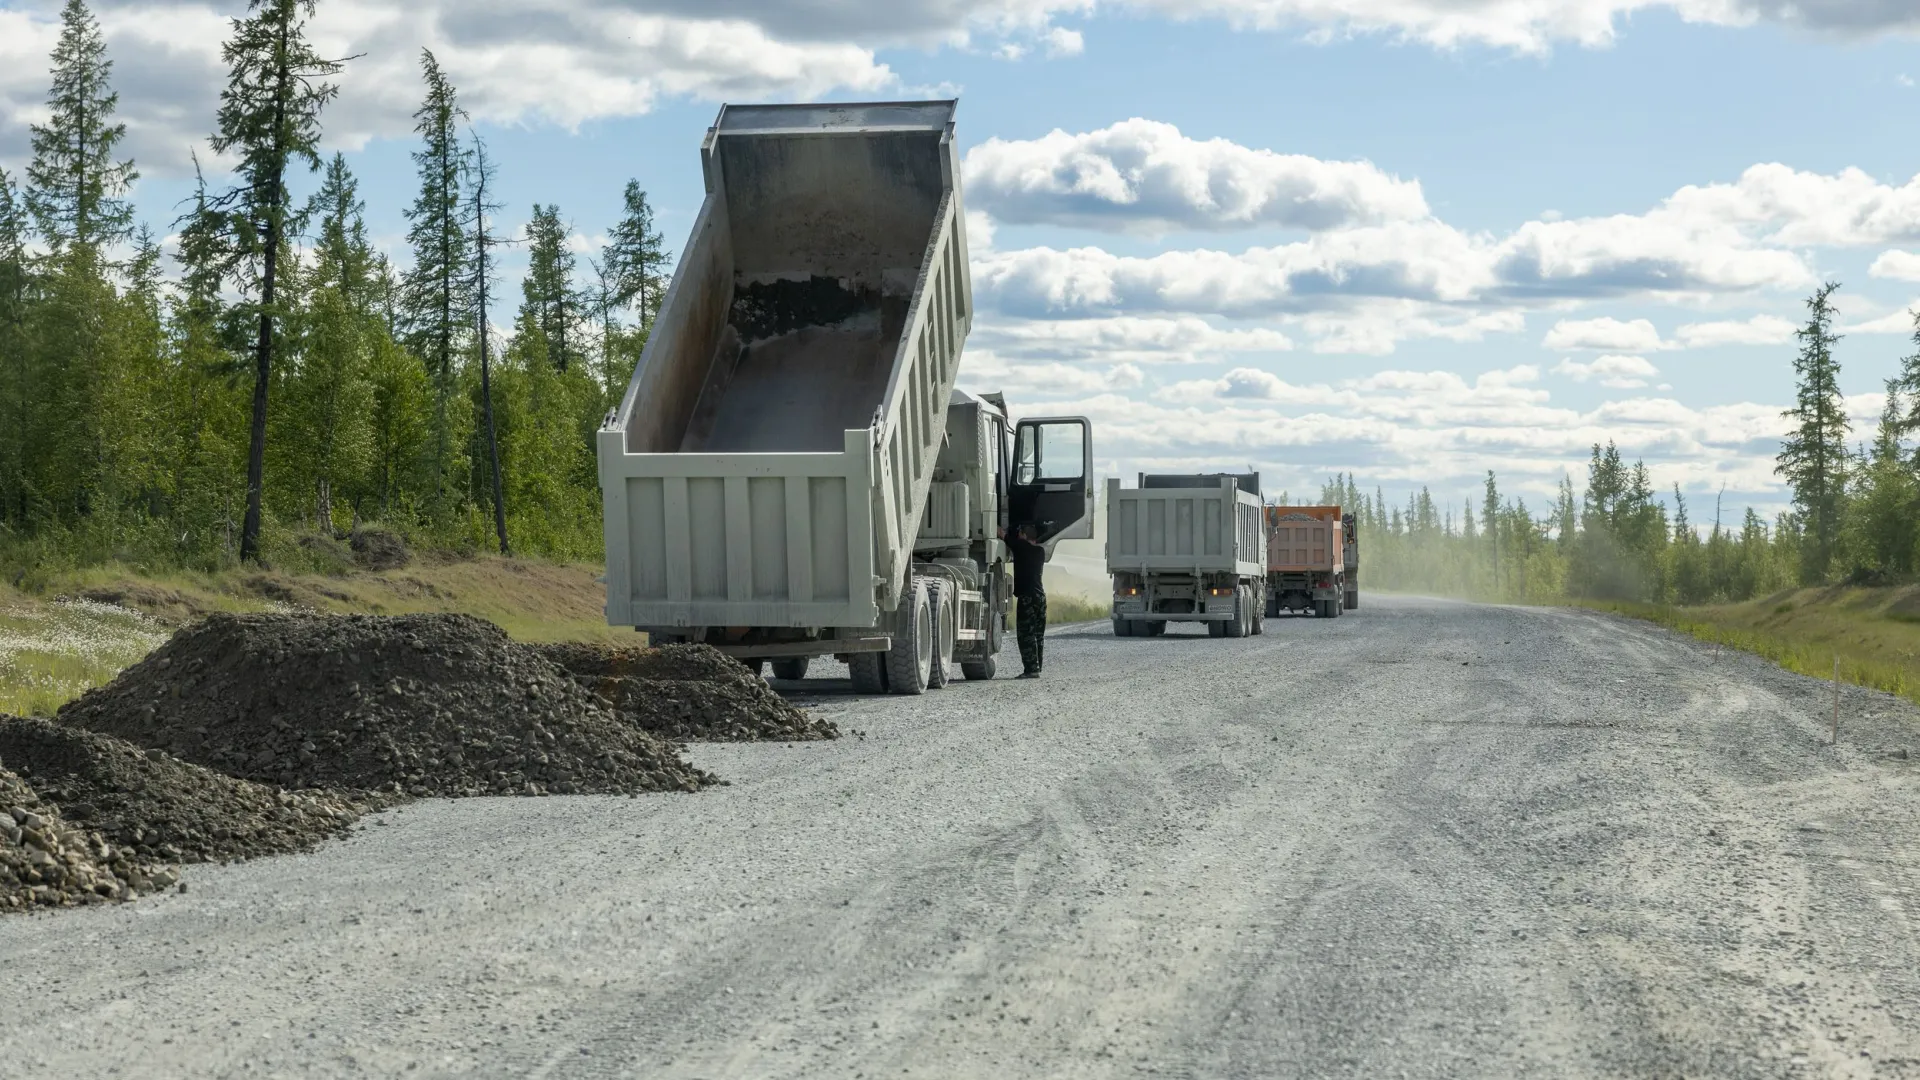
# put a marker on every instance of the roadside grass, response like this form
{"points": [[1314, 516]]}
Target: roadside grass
{"points": [[1070, 609], [76, 630], [1874, 633], [51, 652]]}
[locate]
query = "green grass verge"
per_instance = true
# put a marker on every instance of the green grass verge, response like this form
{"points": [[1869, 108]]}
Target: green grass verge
{"points": [[76, 630], [1069, 609], [1873, 634], [52, 652]]}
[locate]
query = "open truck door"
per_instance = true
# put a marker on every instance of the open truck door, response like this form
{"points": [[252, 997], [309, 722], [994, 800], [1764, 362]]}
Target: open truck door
{"points": [[1051, 487]]}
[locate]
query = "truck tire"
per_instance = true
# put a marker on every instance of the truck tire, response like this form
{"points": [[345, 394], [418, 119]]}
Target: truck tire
{"points": [[1237, 626], [1122, 627], [1353, 599], [869, 672], [942, 660], [911, 657], [1273, 605], [792, 670], [979, 670], [1259, 617], [756, 665]]}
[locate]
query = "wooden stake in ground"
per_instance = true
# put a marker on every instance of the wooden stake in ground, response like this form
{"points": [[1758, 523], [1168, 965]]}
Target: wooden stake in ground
{"points": [[1835, 740]]}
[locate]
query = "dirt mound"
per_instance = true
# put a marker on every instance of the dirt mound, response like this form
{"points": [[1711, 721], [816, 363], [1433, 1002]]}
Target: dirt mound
{"points": [[418, 704], [45, 862], [379, 549], [640, 662], [686, 692], [162, 808]]}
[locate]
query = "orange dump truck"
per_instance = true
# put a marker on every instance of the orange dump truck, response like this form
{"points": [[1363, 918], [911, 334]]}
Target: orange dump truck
{"points": [[1313, 561]]}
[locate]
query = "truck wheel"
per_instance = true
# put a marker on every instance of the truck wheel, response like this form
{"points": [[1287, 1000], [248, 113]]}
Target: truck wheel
{"points": [[869, 672], [1157, 628], [937, 602], [1122, 627], [979, 670], [1353, 600], [1273, 605], [1259, 618], [755, 665], [1237, 626], [792, 670], [911, 657]]}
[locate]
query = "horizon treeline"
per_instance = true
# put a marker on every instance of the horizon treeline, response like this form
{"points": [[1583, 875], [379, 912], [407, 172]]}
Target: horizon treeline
{"points": [[1855, 516], [286, 382]]}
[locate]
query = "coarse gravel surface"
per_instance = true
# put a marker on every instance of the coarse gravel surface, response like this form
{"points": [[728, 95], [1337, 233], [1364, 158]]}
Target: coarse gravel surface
{"points": [[1426, 839]]}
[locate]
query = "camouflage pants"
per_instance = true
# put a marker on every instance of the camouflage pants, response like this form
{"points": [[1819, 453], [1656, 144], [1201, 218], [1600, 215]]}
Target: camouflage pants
{"points": [[1030, 625]]}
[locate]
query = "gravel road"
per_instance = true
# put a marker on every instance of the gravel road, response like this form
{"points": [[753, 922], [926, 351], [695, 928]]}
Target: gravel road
{"points": [[1425, 840]]}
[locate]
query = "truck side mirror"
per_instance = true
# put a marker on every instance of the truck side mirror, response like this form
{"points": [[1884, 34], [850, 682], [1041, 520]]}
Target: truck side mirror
{"points": [[1052, 483]]}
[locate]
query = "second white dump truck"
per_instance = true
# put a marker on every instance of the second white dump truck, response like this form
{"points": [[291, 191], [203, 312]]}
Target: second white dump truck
{"points": [[1187, 548], [792, 473]]}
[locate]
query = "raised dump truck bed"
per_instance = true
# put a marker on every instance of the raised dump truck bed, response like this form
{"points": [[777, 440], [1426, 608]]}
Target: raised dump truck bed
{"points": [[1310, 551], [791, 473], [1187, 548], [769, 463]]}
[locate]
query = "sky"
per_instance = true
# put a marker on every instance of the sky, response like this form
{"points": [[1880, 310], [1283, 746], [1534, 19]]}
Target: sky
{"points": [[1414, 240]]}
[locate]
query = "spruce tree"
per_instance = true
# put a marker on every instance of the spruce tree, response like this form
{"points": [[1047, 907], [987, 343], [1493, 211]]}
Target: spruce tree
{"points": [[15, 384], [75, 188], [436, 304], [324, 429], [1490, 521], [548, 292], [1883, 521], [270, 117], [343, 257], [637, 258], [482, 240], [1813, 458], [1908, 383]]}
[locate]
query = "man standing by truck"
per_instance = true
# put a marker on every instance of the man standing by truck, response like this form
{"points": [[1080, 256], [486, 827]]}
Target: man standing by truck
{"points": [[1030, 595]]}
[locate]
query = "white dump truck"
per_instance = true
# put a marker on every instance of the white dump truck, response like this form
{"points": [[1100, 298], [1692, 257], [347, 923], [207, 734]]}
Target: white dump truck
{"points": [[1187, 548], [792, 473]]}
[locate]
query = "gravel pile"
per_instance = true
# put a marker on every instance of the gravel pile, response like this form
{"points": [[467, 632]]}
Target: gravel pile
{"points": [[687, 692], [160, 808], [425, 705], [46, 862]]}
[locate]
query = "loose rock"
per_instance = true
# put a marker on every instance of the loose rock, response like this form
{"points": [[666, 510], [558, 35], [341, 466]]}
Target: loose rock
{"points": [[161, 808], [45, 862], [422, 705], [692, 692]]}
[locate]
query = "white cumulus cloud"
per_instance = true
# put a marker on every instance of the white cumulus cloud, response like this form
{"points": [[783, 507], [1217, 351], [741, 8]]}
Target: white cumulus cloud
{"points": [[1145, 175], [1759, 330], [1896, 264], [563, 63], [1616, 372], [1604, 334]]}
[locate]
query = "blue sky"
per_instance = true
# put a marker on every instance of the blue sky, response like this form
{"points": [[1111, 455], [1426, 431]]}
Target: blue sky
{"points": [[1415, 239]]}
